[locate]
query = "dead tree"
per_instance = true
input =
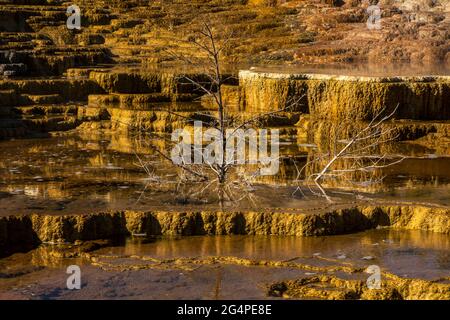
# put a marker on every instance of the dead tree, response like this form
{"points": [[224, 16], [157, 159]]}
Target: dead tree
{"points": [[360, 149], [208, 78]]}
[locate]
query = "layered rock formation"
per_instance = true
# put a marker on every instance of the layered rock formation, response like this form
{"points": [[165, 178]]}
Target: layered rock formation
{"points": [[318, 32], [25, 231], [329, 97], [35, 42]]}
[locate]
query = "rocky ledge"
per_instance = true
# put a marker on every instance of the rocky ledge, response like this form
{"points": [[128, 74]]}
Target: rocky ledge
{"points": [[22, 232]]}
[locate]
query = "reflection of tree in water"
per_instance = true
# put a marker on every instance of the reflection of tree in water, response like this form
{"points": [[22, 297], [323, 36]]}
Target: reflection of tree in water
{"points": [[352, 155]]}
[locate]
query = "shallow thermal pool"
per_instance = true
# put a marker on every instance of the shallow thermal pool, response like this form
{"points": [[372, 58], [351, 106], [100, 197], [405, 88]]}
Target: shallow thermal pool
{"points": [[238, 267], [79, 174]]}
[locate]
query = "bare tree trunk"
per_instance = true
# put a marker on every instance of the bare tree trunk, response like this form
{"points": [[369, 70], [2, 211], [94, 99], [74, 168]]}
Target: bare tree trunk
{"points": [[357, 148]]}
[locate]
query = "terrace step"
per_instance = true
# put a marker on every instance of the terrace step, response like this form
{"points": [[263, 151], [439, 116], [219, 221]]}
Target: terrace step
{"points": [[51, 123], [42, 99], [12, 128], [45, 110], [67, 89], [136, 100]]}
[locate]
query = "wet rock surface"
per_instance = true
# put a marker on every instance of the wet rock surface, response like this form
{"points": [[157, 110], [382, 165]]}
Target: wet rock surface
{"points": [[30, 230], [343, 97], [231, 267]]}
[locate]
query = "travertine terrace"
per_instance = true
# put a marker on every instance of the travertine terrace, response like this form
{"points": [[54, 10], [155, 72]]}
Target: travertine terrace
{"points": [[72, 103]]}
